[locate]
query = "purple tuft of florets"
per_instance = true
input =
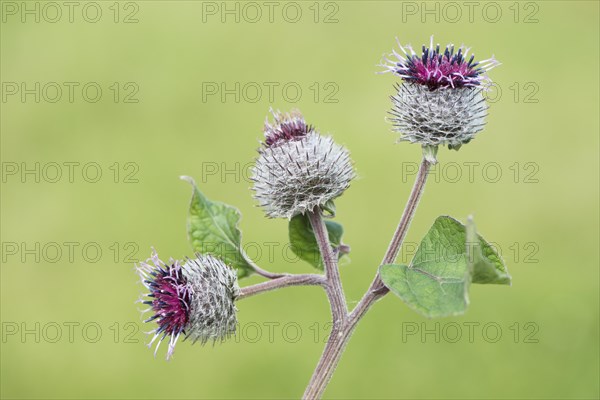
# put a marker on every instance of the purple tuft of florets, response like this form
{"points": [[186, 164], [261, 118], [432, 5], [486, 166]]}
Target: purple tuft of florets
{"points": [[285, 128], [436, 68], [169, 299]]}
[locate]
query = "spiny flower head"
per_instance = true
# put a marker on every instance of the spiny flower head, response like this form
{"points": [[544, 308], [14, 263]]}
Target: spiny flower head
{"points": [[195, 299], [298, 169], [436, 68], [440, 101]]}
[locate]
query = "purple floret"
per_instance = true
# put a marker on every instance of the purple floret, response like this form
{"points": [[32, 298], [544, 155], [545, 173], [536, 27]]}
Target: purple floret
{"points": [[436, 68], [285, 128]]}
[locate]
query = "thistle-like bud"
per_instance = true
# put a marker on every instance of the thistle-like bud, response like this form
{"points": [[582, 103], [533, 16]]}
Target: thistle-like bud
{"points": [[441, 100], [298, 169], [195, 299]]}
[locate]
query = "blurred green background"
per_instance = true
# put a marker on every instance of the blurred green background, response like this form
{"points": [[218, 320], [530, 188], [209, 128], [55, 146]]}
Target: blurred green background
{"points": [[70, 328]]}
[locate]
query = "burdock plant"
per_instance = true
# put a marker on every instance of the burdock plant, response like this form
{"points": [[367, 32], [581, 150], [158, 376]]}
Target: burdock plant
{"points": [[297, 176]]}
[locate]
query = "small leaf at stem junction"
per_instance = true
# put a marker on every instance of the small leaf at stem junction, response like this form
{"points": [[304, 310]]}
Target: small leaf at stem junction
{"points": [[213, 229], [304, 244]]}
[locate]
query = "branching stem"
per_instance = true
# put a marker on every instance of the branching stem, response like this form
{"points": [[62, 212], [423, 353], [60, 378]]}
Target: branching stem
{"points": [[281, 282], [343, 322], [340, 335]]}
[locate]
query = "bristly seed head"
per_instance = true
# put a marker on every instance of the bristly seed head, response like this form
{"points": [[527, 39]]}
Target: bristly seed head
{"points": [[440, 101], [195, 299], [436, 68], [297, 168]]}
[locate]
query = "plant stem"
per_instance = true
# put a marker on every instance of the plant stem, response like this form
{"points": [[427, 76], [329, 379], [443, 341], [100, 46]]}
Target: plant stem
{"points": [[402, 229], [340, 334], [282, 281], [335, 292]]}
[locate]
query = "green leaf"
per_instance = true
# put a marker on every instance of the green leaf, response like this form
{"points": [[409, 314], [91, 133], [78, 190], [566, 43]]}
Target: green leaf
{"points": [[304, 244], [430, 288], [436, 284], [213, 229]]}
